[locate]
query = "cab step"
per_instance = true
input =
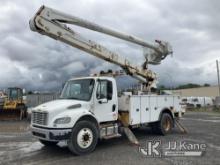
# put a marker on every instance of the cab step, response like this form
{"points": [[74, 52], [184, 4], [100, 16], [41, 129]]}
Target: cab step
{"points": [[112, 136]]}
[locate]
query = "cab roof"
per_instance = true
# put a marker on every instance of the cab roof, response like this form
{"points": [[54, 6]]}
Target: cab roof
{"points": [[93, 77]]}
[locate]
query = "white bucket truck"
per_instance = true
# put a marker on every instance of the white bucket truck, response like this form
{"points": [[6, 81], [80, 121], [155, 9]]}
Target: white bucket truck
{"points": [[89, 107]]}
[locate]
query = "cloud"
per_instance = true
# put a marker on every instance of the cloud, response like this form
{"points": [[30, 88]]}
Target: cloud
{"points": [[36, 62]]}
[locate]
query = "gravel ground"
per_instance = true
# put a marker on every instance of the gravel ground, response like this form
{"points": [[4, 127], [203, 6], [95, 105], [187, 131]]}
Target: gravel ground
{"points": [[17, 146]]}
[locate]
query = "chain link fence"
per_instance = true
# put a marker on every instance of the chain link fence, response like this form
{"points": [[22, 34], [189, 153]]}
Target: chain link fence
{"points": [[36, 99]]}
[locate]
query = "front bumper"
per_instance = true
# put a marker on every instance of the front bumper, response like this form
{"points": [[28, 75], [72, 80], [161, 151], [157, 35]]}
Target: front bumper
{"points": [[51, 134]]}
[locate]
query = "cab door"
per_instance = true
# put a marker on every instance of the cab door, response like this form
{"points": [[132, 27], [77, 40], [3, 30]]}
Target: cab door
{"points": [[105, 101]]}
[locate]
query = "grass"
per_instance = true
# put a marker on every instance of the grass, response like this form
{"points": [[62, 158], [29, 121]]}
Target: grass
{"points": [[216, 109], [205, 109]]}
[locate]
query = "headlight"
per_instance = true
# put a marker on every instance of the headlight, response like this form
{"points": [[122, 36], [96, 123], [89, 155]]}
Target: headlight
{"points": [[62, 120]]}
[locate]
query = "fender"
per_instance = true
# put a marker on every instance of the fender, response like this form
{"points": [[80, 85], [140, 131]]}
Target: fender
{"points": [[166, 110], [91, 118], [76, 115]]}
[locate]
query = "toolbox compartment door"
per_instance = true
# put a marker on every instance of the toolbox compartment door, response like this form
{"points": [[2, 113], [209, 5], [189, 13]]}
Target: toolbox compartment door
{"points": [[135, 108], [154, 109], [145, 109]]}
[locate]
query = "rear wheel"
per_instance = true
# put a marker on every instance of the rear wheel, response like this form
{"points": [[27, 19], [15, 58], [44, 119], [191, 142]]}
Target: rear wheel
{"points": [[164, 126], [84, 138], [48, 143]]}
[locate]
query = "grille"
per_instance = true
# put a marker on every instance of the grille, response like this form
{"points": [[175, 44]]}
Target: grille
{"points": [[39, 118]]}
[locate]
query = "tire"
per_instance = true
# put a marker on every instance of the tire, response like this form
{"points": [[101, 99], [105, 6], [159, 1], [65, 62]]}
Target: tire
{"points": [[84, 138], [47, 143], [164, 126]]}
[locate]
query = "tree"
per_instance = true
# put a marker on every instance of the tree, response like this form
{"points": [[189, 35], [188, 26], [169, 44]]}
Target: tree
{"points": [[30, 92], [189, 85], [162, 87], [206, 85]]}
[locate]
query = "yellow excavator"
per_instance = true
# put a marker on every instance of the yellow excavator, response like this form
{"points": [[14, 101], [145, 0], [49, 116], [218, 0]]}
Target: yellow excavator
{"points": [[14, 106]]}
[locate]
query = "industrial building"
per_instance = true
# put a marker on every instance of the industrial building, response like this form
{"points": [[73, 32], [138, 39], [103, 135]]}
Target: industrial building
{"points": [[211, 91]]}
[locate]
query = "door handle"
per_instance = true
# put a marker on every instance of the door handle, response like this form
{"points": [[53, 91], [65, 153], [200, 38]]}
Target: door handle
{"points": [[113, 107]]}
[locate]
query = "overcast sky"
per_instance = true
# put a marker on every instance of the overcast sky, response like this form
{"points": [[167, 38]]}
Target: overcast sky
{"points": [[36, 62]]}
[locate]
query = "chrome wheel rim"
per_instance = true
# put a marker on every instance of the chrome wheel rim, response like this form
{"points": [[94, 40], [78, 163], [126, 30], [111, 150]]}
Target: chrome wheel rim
{"points": [[85, 138]]}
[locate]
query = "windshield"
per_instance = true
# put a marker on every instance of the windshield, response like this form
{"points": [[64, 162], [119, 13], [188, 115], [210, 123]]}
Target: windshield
{"points": [[14, 93], [78, 89]]}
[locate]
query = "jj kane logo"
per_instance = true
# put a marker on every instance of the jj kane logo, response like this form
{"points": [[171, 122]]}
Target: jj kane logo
{"points": [[154, 148]]}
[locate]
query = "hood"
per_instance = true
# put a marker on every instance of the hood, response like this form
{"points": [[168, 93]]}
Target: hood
{"points": [[58, 107], [61, 104]]}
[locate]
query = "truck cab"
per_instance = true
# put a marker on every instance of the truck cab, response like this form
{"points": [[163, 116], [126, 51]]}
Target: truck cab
{"points": [[93, 99]]}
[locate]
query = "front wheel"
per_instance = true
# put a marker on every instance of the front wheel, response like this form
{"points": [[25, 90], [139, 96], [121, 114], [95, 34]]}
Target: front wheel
{"points": [[84, 138]]}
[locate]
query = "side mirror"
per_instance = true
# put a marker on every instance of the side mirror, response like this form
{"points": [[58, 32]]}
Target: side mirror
{"points": [[101, 101]]}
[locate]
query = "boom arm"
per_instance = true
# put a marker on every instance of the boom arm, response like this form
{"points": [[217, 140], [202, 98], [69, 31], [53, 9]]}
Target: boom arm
{"points": [[50, 22]]}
